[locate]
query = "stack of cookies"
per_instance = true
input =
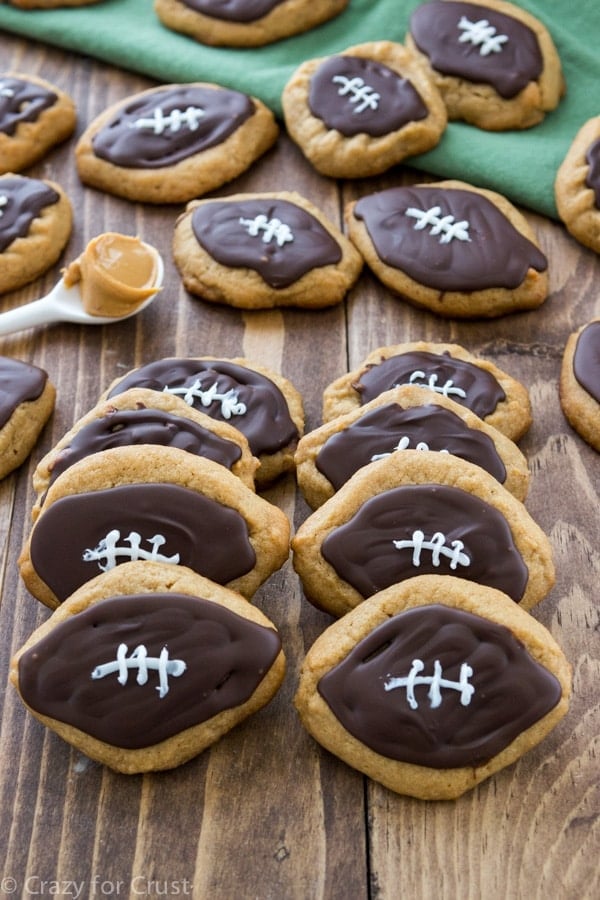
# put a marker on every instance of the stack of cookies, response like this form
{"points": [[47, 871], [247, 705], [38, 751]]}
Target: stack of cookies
{"points": [[435, 675], [149, 540]]}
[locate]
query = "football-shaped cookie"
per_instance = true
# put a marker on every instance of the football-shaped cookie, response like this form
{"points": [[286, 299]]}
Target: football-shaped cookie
{"points": [[414, 513], [147, 665], [433, 685]]}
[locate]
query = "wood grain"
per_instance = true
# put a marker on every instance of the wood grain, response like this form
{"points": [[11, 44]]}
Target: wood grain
{"points": [[266, 813]]}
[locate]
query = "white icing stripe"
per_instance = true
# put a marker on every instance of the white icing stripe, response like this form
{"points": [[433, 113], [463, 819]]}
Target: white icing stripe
{"points": [[447, 389], [158, 123], [3, 202], [404, 444], [270, 229], [445, 226], [438, 548], [108, 552], [481, 34], [436, 682], [362, 94], [140, 660], [230, 404]]}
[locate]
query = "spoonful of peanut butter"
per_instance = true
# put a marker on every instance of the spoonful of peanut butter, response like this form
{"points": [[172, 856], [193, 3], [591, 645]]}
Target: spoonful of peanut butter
{"points": [[114, 278]]}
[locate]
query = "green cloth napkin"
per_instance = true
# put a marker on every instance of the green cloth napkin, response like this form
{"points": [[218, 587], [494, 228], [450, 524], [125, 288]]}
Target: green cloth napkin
{"points": [[519, 164]]}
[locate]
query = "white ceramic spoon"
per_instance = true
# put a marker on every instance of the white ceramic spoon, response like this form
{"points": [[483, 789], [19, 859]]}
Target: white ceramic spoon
{"points": [[63, 304]]}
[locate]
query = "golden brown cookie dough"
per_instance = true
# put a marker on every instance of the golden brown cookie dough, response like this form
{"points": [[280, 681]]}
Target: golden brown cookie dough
{"points": [[449, 370], [420, 512], [457, 250], [579, 386], [403, 418], [577, 186], [35, 115], [240, 23], [157, 664], [139, 417], [161, 505], [264, 405], [35, 224], [258, 251], [27, 399], [363, 111], [433, 685], [174, 142], [495, 64]]}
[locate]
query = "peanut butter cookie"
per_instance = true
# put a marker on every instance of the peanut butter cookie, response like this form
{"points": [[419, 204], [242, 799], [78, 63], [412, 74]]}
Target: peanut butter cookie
{"points": [[433, 685], [147, 665], [162, 505]]}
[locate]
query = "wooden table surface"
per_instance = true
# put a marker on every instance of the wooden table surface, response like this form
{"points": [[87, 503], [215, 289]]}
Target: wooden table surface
{"points": [[267, 813]]}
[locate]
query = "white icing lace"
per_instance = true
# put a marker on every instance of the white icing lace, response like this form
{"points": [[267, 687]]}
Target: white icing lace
{"points": [[140, 660], [109, 552], [446, 389], [362, 94], [270, 229], [436, 682], [481, 34], [445, 226], [404, 444], [177, 119], [230, 404], [417, 543]]}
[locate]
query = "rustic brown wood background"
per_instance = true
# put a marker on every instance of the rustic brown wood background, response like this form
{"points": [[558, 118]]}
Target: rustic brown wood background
{"points": [[266, 813]]}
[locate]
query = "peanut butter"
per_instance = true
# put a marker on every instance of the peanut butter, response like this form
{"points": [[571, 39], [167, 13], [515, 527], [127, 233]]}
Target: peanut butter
{"points": [[117, 274]]}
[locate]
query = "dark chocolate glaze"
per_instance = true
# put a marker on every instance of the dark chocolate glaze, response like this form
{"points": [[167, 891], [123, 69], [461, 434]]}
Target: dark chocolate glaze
{"points": [[22, 101], [586, 360], [234, 10], [124, 143], [382, 429], [208, 537], [592, 179], [495, 255], [458, 379], [21, 201], [435, 31], [19, 382], [126, 427], [219, 230], [512, 691], [226, 657], [392, 101], [267, 423], [363, 553]]}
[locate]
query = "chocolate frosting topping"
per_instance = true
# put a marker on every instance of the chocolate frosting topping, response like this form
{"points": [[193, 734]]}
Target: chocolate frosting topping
{"points": [[506, 690], [206, 385], [458, 379], [80, 535], [234, 10], [21, 201], [278, 239], [22, 101], [170, 124], [389, 428], [19, 382], [426, 529], [224, 658], [448, 239], [506, 54], [354, 95], [586, 360], [592, 179], [123, 428]]}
